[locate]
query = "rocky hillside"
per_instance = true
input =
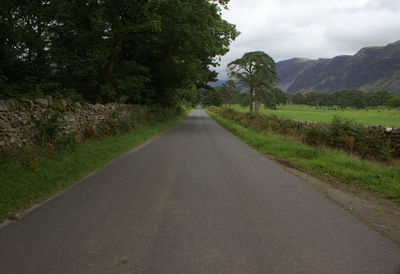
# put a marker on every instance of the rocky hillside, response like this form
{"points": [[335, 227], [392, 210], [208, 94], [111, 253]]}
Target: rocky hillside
{"points": [[371, 69]]}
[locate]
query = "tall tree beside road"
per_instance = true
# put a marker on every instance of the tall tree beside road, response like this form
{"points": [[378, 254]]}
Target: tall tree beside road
{"points": [[129, 51], [192, 35], [257, 71]]}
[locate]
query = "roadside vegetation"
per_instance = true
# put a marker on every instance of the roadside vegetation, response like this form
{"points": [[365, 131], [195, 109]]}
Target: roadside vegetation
{"points": [[367, 142], [335, 164], [156, 55], [33, 173]]}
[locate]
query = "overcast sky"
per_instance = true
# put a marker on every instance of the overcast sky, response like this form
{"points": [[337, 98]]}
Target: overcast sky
{"points": [[310, 28]]}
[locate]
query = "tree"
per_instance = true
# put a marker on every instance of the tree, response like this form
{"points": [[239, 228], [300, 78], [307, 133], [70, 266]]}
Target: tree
{"points": [[142, 52], [376, 98], [298, 99], [210, 97], [273, 98], [393, 101], [190, 96], [25, 37], [257, 71], [229, 92], [315, 98], [344, 98], [184, 52], [243, 100]]}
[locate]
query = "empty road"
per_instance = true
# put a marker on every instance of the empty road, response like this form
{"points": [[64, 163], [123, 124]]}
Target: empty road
{"points": [[195, 199]]}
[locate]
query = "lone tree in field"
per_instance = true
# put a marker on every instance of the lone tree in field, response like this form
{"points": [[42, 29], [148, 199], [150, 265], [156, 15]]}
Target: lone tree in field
{"points": [[257, 71]]}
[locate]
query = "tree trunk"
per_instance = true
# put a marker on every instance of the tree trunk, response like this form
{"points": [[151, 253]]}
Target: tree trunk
{"points": [[256, 104], [112, 58], [251, 100], [108, 70]]}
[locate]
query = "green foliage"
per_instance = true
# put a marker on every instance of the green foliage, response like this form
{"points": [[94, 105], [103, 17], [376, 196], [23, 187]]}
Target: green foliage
{"points": [[12, 156], [315, 134], [49, 128], [50, 136], [298, 99], [60, 108], [340, 134], [393, 101], [344, 98], [345, 135], [375, 99], [122, 51], [257, 72], [273, 98], [243, 100], [190, 96], [210, 97], [339, 130], [228, 92]]}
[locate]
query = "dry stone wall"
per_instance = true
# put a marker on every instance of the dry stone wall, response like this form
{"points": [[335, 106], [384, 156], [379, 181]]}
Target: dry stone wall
{"points": [[18, 119]]}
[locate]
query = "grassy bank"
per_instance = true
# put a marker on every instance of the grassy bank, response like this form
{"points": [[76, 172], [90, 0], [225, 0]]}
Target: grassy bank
{"points": [[372, 116], [23, 185], [329, 163]]}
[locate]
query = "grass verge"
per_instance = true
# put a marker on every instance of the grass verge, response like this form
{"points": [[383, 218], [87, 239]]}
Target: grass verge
{"points": [[22, 186], [322, 161]]}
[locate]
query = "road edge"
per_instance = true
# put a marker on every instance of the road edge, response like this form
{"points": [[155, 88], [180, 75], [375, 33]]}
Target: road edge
{"points": [[23, 213], [378, 213]]}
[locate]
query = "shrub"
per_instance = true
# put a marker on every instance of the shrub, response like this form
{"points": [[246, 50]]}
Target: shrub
{"points": [[49, 128], [66, 142], [340, 130], [314, 134]]}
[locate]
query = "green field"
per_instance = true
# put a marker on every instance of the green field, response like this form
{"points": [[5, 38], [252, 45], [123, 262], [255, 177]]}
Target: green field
{"points": [[381, 116]]}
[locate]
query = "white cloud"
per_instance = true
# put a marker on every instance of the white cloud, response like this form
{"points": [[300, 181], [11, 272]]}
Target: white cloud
{"points": [[310, 28]]}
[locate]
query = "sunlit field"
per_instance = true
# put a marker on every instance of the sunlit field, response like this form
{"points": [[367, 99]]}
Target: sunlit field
{"points": [[371, 116]]}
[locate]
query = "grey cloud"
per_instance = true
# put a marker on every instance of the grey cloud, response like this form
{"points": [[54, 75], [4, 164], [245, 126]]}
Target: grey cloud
{"points": [[392, 5]]}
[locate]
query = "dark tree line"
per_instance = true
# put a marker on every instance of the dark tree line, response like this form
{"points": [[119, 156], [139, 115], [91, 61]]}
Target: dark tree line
{"points": [[347, 98], [136, 51], [231, 93]]}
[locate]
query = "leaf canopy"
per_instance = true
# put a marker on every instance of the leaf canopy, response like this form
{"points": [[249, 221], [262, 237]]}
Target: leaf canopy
{"points": [[133, 51]]}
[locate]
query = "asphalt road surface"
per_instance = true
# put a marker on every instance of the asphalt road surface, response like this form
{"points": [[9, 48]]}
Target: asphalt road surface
{"points": [[195, 199]]}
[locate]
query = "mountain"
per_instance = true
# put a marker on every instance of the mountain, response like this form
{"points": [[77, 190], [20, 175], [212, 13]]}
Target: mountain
{"points": [[371, 69], [217, 83]]}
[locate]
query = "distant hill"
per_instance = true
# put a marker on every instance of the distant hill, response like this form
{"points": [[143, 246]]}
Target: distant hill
{"points": [[371, 69], [217, 83]]}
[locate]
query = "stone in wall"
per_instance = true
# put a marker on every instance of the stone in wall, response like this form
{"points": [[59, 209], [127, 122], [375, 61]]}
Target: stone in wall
{"points": [[42, 102]]}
